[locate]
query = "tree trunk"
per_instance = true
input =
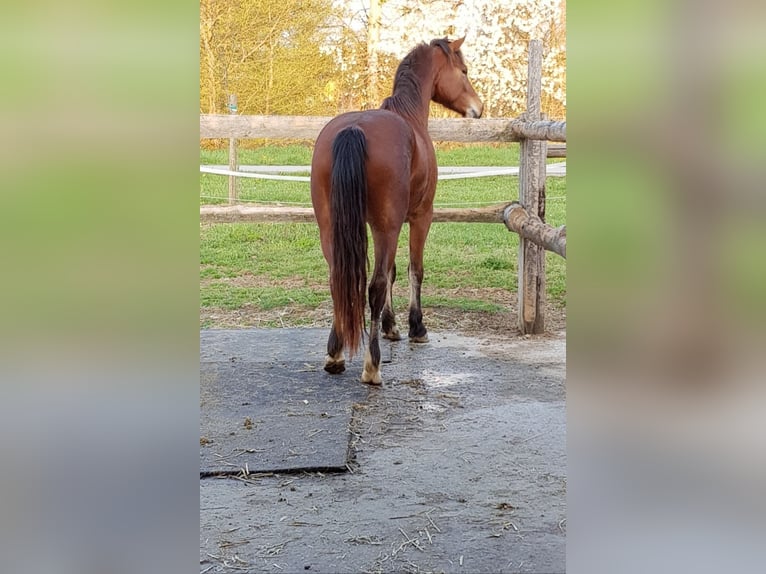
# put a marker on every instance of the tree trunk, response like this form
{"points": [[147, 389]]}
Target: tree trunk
{"points": [[373, 39]]}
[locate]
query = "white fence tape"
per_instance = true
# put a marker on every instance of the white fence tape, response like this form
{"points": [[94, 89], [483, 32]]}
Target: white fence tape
{"points": [[254, 175], [553, 170]]}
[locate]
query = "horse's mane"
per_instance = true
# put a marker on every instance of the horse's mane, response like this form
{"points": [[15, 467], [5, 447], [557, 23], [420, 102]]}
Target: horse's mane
{"points": [[406, 98]]}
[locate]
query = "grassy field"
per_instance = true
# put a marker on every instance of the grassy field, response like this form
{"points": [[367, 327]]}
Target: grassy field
{"points": [[276, 273]]}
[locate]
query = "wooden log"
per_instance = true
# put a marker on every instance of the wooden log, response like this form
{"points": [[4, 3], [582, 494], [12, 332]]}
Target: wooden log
{"points": [[256, 127], [441, 129], [255, 214], [531, 227], [532, 129], [494, 130], [261, 214], [557, 150], [531, 281]]}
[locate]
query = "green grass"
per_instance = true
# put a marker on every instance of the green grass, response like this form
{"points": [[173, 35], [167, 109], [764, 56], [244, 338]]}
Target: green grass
{"points": [[267, 155], [277, 251], [271, 266], [265, 298]]}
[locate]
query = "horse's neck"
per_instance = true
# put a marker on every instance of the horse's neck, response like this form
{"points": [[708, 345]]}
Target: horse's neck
{"points": [[411, 95]]}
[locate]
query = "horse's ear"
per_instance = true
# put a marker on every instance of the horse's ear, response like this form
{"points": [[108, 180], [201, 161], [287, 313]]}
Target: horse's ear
{"points": [[455, 46]]}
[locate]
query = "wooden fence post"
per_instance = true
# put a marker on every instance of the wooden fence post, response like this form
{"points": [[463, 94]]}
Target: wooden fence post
{"points": [[232, 154], [532, 197]]}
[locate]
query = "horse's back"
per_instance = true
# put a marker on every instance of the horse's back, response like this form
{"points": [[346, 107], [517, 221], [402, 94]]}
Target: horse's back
{"points": [[390, 139]]}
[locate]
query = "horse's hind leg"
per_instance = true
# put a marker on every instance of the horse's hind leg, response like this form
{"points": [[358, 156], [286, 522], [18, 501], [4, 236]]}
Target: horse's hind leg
{"points": [[377, 298], [335, 362], [385, 253], [388, 319], [418, 233]]}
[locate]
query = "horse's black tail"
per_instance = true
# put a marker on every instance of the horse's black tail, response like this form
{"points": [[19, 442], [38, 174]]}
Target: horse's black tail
{"points": [[348, 200]]}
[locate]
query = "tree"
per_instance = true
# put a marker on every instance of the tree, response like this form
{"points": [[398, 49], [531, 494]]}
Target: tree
{"points": [[373, 39], [268, 52], [328, 56], [363, 72]]}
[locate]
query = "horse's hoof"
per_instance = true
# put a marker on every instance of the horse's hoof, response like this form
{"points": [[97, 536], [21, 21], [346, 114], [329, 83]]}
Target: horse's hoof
{"points": [[374, 380], [335, 367], [421, 339], [393, 335], [371, 376]]}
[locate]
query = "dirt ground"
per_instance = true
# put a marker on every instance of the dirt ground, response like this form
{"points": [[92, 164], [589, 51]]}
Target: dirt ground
{"points": [[458, 464], [436, 318]]}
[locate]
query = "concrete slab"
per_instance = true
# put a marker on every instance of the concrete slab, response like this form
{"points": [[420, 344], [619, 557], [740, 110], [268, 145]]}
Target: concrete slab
{"points": [[459, 465]]}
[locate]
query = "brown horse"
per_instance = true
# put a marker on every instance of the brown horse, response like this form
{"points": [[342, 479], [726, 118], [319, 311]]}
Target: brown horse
{"points": [[379, 167]]}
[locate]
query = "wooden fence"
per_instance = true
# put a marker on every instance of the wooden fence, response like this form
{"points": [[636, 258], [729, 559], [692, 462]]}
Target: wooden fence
{"points": [[527, 218], [441, 129]]}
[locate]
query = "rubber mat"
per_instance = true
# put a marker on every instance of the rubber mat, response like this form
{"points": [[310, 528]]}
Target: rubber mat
{"points": [[261, 410]]}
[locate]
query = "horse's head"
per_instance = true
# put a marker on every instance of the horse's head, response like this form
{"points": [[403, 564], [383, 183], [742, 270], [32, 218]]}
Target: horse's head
{"points": [[451, 86]]}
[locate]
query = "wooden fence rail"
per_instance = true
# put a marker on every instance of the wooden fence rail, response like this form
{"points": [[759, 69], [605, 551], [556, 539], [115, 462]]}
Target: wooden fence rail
{"points": [[515, 217], [557, 150], [531, 227], [260, 214], [308, 128]]}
